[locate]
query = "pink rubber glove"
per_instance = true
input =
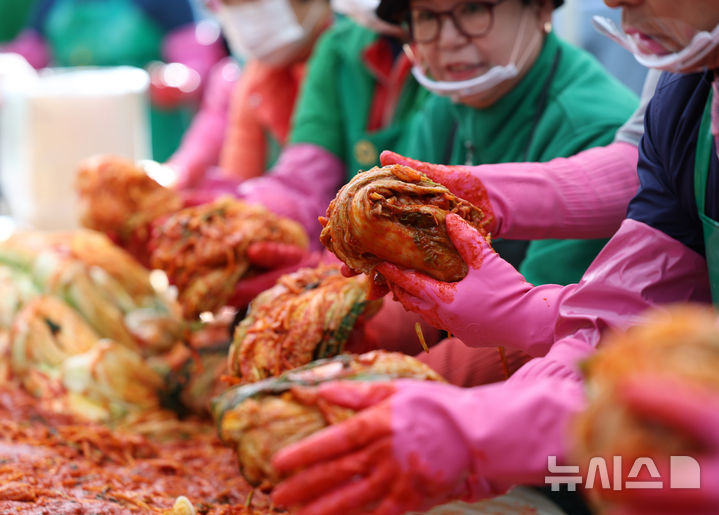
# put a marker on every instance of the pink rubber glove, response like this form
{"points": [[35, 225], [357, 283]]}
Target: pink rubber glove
{"points": [[279, 259], [300, 186], [202, 143], [688, 410], [638, 269], [584, 196], [273, 254], [415, 444], [493, 305], [32, 46]]}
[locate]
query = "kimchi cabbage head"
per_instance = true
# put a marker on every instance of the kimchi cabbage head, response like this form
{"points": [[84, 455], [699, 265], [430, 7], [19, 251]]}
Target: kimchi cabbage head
{"points": [[106, 286], [307, 315], [56, 356], [397, 214], [203, 249], [680, 345], [119, 198], [261, 418]]}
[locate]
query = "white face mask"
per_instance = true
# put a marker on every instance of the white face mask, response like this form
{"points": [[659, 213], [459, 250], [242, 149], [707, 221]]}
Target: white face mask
{"points": [[363, 12], [457, 90], [688, 59], [466, 88], [266, 30]]}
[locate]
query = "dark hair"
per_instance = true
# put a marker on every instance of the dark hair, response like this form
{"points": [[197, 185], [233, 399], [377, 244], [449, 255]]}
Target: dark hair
{"points": [[395, 11]]}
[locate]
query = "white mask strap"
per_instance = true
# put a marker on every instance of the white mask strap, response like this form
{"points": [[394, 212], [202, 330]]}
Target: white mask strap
{"points": [[488, 80]]}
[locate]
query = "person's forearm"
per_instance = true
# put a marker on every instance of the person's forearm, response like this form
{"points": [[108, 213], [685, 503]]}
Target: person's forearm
{"points": [[200, 148], [638, 269], [201, 145], [581, 197], [509, 429], [584, 196], [300, 186]]}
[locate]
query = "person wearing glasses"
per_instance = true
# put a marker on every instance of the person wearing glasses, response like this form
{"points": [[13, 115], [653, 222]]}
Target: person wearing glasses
{"points": [[506, 89], [509, 90]]}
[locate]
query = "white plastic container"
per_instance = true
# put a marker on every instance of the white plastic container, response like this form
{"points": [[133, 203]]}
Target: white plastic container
{"points": [[13, 67], [52, 122]]}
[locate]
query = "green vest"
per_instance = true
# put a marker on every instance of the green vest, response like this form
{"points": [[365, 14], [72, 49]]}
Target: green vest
{"points": [[710, 227], [565, 104], [13, 17], [336, 98]]}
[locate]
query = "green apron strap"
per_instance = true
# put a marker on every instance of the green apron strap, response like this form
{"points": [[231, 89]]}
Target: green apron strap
{"points": [[703, 157], [710, 227]]}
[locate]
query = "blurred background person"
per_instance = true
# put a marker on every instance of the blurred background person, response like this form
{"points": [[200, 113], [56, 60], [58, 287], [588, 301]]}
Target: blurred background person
{"points": [[573, 22], [358, 97], [128, 32], [243, 124]]}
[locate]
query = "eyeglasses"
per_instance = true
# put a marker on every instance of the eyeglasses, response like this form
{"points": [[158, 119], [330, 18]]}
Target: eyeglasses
{"points": [[472, 20]]}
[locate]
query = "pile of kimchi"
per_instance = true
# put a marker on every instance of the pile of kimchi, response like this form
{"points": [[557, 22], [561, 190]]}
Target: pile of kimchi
{"points": [[680, 345], [396, 214], [259, 419], [307, 315], [204, 249]]}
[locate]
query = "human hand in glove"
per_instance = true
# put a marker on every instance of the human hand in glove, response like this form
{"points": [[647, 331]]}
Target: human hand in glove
{"points": [[463, 181], [401, 452], [416, 444], [583, 196], [276, 259], [493, 305]]}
